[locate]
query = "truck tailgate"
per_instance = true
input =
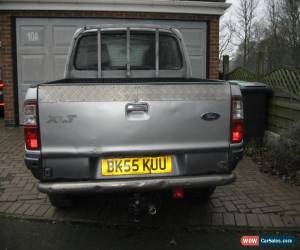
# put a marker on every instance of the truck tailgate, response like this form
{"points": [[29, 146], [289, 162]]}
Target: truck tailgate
{"points": [[100, 120]]}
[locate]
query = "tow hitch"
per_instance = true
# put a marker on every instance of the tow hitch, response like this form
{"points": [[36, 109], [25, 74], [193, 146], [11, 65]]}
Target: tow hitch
{"points": [[142, 204]]}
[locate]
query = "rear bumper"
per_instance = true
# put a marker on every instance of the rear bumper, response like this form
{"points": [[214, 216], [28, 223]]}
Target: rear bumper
{"points": [[136, 184]]}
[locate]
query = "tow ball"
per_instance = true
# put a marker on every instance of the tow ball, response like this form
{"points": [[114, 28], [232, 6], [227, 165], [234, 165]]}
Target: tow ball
{"points": [[142, 204]]}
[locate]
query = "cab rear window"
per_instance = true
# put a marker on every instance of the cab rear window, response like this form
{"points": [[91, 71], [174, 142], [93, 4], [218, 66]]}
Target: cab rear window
{"points": [[114, 52]]}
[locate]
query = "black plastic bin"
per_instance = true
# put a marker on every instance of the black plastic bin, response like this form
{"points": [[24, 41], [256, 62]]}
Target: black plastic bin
{"points": [[255, 101]]}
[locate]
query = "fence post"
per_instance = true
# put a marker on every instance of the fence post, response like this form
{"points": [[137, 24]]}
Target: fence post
{"points": [[225, 66], [260, 66]]}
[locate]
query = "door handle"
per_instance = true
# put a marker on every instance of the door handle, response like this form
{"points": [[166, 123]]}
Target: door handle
{"points": [[137, 107]]}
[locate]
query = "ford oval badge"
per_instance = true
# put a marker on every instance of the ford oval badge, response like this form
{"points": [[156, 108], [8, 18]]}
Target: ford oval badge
{"points": [[210, 116]]}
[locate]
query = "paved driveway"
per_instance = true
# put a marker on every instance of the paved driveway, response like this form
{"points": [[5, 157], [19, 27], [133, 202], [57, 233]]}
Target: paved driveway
{"points": [[255, 200]]}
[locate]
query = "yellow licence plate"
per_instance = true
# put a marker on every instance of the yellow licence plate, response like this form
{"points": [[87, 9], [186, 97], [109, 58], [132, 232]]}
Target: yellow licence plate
{"points": [[137, 165]]}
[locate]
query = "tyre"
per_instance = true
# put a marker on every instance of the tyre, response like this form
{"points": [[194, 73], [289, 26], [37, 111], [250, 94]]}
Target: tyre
{"points": [[60, 201]]}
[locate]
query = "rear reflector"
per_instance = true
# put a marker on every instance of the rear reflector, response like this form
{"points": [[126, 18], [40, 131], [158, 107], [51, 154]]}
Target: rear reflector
{"points": [[178, 193]]}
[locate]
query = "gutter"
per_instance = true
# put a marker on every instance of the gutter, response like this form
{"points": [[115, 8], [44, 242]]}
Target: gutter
{"points": [[156, 6]]}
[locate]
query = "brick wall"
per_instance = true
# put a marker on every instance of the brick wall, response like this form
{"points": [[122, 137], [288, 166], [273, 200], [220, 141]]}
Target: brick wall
{"points": [[6, 60], [7, 49]]}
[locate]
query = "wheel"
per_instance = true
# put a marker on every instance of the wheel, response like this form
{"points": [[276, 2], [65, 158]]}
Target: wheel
{"points": [[200, 193], [60, 200]]}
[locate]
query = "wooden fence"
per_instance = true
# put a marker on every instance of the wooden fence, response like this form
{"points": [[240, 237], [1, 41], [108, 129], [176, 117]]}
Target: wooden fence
{"points": [[283, 110], [286, 79], [284, 105], [241, 73]]}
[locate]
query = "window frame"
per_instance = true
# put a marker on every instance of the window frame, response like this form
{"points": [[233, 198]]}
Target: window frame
{"points": [[132, 68]]}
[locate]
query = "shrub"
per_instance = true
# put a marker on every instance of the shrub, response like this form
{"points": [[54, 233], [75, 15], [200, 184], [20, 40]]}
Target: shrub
{"points": [[284, 154]]}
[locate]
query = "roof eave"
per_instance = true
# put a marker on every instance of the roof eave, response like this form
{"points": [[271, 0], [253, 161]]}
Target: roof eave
{"points": [[162, 6]]}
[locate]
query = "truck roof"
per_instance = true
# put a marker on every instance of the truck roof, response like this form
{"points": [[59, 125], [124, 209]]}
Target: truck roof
{"points": [[108, 27], [128, 25]]}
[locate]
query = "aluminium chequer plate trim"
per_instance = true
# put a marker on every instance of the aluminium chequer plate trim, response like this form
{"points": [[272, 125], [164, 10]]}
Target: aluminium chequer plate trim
{"points": [[113, 93]]}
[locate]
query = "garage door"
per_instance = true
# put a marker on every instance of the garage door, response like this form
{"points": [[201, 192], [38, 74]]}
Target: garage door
{"points": [[42, 47]]}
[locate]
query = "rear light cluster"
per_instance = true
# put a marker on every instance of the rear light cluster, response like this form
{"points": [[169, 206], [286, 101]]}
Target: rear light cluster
{"points": [[30, 126], [237, 120]]}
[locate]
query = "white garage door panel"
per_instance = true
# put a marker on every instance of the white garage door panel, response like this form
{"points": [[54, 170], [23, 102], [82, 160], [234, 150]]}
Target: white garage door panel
{"points": [[195, 41], [62, 35], [43, 44], [196, 62], [33, 68], [32, 36], [59, 63]]}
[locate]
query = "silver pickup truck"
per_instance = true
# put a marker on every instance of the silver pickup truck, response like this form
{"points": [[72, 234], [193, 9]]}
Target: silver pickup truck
{"points": [[128, 116]]}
